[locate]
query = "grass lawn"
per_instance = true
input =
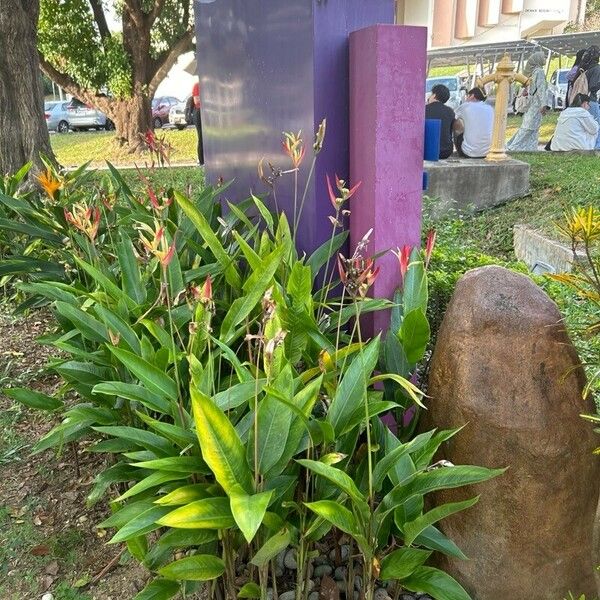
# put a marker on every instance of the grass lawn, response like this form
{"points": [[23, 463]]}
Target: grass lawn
{"points": [[73, 149]]}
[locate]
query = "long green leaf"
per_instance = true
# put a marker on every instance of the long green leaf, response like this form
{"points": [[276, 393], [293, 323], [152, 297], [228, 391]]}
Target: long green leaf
{"points": [[142, 437], [208, 513], [205, 230], [200, 567], [353, 387], [130, 271], [140, 525], [436, 583], [343, 481], [152, 377], [339, 516], [33, 399], [272, 547], [159, 589], [414, 528], [221, 446], [401, 563], [434, 539], [136, 393]]}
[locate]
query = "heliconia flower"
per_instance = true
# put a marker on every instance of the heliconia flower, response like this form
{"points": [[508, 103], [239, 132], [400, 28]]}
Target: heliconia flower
{"points": [[158, 245], [404, 259], [342, 268], [84, 218], [320, 137], [49, 183], [344, 194], [293, 146], [429, 245]]}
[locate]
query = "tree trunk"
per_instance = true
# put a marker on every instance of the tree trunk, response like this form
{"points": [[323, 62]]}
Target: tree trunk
{"points": [[132, 118], [23, 131]]}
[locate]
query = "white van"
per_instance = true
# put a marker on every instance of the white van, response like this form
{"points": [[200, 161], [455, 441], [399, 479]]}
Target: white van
{"points": [[453, 83]]}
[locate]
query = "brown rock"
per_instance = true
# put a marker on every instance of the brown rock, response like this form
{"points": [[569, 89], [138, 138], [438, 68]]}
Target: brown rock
{"points": [[504, 366]]}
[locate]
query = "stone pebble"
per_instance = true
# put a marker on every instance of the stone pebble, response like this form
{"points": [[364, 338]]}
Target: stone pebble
{"points": [[289, 560], [287, 595], [323, 570]]}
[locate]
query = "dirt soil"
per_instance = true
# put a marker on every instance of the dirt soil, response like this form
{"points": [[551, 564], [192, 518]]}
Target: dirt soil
{"points": [[48, 537]]}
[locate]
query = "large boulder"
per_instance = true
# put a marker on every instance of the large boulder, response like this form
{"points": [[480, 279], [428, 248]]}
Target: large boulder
{"points": [[505, 368]]}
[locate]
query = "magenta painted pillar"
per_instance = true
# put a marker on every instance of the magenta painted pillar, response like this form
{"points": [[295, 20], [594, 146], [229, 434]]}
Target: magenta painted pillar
{"points": [[387, 120]]}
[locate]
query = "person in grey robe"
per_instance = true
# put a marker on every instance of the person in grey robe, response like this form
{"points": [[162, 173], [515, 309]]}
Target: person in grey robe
{"points": [[526, 138]]}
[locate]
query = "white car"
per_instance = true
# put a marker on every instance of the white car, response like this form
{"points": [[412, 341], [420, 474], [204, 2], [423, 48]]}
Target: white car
{"points": [[179, 116], [453, 83], [557, 89]]}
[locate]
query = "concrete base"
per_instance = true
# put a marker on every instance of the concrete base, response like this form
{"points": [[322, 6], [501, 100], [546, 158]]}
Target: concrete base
{"points": [[541, 253], [463, 185]]}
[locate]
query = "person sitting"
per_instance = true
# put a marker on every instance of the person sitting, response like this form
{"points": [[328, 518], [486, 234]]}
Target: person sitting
{"points": [[473, 126], [436, 109], [576, 128]]}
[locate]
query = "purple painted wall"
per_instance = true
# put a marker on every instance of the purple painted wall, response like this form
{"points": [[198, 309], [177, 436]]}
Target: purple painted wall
{"points": [[387, 116], [268, 66]]}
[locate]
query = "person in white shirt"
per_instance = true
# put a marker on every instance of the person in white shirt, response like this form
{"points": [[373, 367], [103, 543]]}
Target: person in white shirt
{"points": [[473, 126], [576, 128]]}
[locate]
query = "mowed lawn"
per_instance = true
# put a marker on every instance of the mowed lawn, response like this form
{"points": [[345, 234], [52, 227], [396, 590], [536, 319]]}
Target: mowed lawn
{"points": [[73, 149]]}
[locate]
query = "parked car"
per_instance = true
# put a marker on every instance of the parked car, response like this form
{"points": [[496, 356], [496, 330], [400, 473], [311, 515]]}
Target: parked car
{"points": [[180, 116], [161, 107], [453, 83], [82, 117], [557, 89], [57, 116]]}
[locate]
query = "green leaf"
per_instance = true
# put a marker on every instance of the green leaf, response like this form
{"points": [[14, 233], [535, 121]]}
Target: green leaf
{"points": [[336, 514], [249, 590], [272, 547], [152, 481], [118, 473], [394, 357], [126, 513], [208, 513], [414, 292], [414, 528], [238, 394], [415, 333], [434, 539], [411, 390], [141, 524], [343, 481], [152, 377], [221, 446], [142, 437], [175, 464], [119, 326], [105, 283], [436, 583], [89, 327], [249, 511], [402, 563], [159, 589], [439, 479], [325, 251], [184, 495], [33, 399], [130, 271], [183, 538], [212, 241], [254, 288], [135, 393], [200, 567], [353, 387]]}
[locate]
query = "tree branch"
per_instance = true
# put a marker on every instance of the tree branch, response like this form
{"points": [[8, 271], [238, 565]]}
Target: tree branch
{"points": [[72, 87], [162, 65], [100, 18]]}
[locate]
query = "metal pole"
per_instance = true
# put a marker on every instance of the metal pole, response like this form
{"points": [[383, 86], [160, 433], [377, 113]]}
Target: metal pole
{"points": [[548, 62]]}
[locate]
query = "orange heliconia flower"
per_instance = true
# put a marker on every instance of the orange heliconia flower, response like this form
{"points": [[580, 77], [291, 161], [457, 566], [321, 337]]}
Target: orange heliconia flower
{"points": [[50, 183]]}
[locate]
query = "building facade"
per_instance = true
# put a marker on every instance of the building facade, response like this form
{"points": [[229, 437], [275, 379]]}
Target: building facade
{"points": [[458, 22]]}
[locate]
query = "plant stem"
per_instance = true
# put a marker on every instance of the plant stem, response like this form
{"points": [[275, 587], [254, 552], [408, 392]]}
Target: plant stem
{"points": [[305, 193], [325, 289]]}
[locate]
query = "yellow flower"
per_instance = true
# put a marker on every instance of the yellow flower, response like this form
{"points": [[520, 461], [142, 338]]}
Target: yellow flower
{"points": [[49, 182]]}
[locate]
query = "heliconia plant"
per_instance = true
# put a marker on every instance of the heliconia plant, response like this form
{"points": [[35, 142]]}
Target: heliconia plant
{"points": [[241, 402]]}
